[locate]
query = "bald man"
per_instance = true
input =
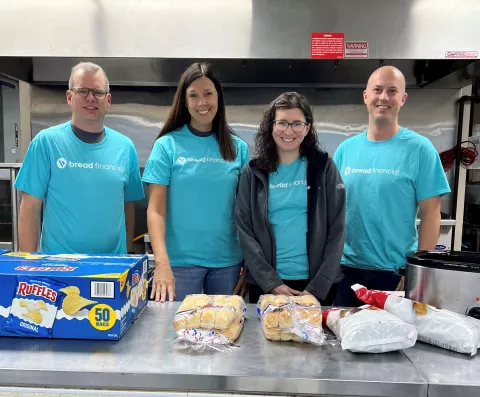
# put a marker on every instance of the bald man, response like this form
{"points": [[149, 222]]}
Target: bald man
{"points": [[390, 173]]}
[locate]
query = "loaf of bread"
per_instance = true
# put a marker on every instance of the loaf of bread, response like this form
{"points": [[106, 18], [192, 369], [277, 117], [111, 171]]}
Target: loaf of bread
{"points": [[291, 318], [221, 314]]}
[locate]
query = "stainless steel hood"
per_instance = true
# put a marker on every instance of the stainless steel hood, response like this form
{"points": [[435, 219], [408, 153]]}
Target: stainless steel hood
{"points": [[153, 72], [241, 29], [251, 42], [260, 72]]}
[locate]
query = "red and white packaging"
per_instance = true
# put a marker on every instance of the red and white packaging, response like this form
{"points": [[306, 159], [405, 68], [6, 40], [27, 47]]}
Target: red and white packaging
{"points": [[439, 327], [368, 329]]}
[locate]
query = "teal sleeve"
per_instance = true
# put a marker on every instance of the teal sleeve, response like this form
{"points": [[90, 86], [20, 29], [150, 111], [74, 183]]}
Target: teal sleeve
{"points": [[431, 180], [34, 175], [159, 167], [134, 189]]}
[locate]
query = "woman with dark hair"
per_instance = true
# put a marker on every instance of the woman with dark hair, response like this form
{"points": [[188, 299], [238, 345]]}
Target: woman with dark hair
{"points": [[193, 173], [290, 208]]}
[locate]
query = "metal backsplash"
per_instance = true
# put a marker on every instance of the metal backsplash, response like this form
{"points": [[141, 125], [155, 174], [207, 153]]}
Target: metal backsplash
{"points": [[339, 114], [264, 29]]}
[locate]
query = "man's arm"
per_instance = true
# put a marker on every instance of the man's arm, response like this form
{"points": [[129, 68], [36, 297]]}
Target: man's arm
{"points": [[429, 230], [29, 222], [130, 224]]}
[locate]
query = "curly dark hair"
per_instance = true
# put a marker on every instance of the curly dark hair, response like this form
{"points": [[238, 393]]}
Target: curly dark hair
{"points": [[179, 116], [265, 146]]}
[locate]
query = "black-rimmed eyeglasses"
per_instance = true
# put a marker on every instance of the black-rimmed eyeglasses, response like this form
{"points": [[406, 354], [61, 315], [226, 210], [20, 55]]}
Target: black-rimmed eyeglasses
{"points": [[83, 92], [282, 125]]}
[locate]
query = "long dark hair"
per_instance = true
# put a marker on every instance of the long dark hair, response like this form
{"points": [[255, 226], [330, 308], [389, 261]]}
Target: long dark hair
{"points": [[265, 146], [179, 115]]}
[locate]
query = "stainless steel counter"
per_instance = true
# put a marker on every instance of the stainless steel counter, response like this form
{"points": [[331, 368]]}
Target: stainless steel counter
{"points": [[145, 360], [448, 374]]}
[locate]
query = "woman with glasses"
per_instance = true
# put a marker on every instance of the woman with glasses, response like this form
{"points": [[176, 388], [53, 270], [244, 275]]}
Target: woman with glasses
{"points": [[290, 209], [193, 173]]}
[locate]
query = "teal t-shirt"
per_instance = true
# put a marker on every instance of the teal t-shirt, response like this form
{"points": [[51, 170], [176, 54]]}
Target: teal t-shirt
{"points": [[83, 187], [200, 222], [287, 213], [384, 182]]}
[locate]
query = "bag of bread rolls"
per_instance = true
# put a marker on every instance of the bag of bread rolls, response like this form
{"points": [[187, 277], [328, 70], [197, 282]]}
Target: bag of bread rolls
{"points": [[368, 329], [291, 318], [439, 327], [209, 320]]}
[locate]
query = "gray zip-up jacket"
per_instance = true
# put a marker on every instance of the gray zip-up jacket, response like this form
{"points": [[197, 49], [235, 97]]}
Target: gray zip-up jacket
{"points": [[326, 224]]}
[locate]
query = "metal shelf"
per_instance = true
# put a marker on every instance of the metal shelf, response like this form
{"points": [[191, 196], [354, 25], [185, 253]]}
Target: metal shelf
{"points": [[15, 200]]}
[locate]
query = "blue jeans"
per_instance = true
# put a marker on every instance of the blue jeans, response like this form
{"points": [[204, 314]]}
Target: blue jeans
{"points": [[199, 279], [372, 279]]}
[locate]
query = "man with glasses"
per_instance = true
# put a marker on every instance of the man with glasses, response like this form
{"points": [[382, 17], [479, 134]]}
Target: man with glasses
{"points": [[85, 175], [389, 173]]}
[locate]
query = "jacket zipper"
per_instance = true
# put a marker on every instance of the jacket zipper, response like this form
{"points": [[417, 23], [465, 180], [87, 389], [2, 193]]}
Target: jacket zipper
{"points": [[267, 222], [312, 197]]}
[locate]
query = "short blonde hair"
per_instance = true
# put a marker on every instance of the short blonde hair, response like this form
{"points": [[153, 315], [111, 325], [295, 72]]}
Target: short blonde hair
{"points": [[88, 67]]}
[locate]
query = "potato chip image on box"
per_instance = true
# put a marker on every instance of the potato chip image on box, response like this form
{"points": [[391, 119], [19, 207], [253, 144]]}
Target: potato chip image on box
{"points": [[34, 306], [134, 297], [34, 315], [73, 302], [129, 287], [34, 310], [135, 293], [38, 305]]}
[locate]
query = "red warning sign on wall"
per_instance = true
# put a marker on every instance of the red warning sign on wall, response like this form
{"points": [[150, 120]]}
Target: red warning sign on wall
{"points": [[327, 45]]}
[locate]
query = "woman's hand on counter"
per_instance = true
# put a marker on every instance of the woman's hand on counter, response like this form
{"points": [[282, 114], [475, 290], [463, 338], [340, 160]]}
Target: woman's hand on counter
{"points": [[284, 290], [163, 281], [306, 293]]}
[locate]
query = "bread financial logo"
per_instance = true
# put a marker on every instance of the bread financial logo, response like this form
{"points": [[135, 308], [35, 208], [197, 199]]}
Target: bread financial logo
{"points": [[61, 163], [371, 170], [183, 160]]}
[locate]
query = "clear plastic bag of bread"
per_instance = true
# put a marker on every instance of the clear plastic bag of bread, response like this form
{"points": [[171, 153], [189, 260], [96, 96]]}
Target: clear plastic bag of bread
{"points": [[209, 322], [291, 318]]}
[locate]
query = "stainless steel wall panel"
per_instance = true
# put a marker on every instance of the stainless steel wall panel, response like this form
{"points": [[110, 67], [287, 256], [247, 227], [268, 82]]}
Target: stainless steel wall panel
{"points": [[339, 114], [407, 29]]}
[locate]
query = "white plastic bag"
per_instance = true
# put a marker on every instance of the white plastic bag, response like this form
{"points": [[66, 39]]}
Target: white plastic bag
{"points": [[368, 329], [439, 327]]}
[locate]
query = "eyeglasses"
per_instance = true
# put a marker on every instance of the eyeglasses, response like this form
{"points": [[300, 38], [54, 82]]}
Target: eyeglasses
{"points": [[83, 92], [282, 125]]}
